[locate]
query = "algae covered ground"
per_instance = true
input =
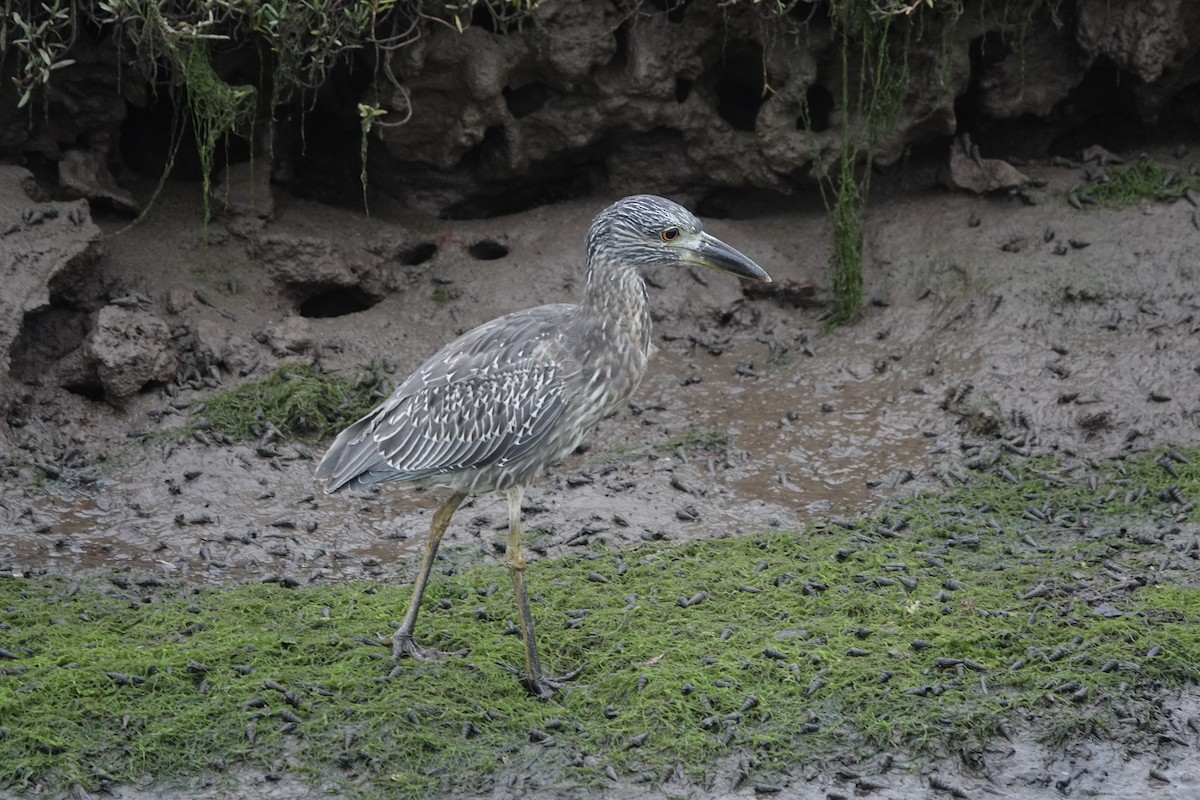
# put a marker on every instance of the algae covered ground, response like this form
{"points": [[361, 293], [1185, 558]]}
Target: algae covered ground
{"points": [[1037, 591]]}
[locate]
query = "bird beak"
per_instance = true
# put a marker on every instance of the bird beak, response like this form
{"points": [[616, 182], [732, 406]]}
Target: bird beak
{"points": [[709, 251]]}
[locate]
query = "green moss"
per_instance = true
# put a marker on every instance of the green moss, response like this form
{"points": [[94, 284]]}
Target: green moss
{"points": [[873, 84], [217, 108], [692, 439], [297, 399], [876, 38], [442, 295], [1145, 180], [925, 626], [700, 438]]}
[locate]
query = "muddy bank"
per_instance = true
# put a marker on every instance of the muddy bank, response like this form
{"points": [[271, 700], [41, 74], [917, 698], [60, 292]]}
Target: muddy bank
{"points": [[1035, 628], [478, 110], [1018, 768], [982, 335]]}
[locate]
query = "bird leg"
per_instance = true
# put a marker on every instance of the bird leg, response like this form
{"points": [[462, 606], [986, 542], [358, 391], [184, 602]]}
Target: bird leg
{"points": [[516, 570], [402, 639], [537, 683]]}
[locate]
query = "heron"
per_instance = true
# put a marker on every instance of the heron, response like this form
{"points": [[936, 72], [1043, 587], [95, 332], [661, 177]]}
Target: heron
{"points": [[495, 408]]}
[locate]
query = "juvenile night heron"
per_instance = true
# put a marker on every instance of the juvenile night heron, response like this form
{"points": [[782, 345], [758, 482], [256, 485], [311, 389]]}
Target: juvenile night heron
{"points": [[497, 406]]}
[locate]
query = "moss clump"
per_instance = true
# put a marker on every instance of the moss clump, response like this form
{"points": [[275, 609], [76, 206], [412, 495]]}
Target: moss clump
{"points": [[1145, 180], [926, 626], [442, 295], [299, 401]]}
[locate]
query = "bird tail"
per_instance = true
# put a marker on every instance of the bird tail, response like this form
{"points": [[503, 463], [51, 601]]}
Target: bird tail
{"points": [[351, 458]]}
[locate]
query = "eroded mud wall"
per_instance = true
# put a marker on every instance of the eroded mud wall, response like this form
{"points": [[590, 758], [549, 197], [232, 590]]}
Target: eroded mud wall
{"points": [[657, 96]]}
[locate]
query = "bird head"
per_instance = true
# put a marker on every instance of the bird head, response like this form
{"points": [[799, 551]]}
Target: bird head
{"points": [[645, 230]]}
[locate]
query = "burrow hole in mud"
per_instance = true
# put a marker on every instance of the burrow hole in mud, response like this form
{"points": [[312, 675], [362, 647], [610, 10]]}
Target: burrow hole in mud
{"points": [[738, 85], [47, 337], [487, 250], [334, 301], [418, 254], [683, 88], [525, 100]]}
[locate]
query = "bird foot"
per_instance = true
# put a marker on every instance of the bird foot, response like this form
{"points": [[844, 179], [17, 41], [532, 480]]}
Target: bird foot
{"points": [[404, 646], [544, 687]]}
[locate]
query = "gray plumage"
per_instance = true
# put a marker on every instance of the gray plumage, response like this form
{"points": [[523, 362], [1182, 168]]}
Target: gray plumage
{"points": [[489, 411], [497, 406]]}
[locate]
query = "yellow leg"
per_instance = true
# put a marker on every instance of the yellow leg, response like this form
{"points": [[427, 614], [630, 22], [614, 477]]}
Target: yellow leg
{"points": [[538, 684], [516, 569], [402, 640]]}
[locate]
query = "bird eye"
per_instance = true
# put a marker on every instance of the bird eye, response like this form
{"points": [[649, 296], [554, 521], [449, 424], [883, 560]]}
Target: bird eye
{"points": [[670, 234]]}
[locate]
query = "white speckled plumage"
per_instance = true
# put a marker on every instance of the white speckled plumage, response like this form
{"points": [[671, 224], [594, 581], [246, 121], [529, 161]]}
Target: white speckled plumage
{"points": [[471, 416], [495, 407]]}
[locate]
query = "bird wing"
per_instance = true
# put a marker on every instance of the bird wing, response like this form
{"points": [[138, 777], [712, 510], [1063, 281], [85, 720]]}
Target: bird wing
{"points": [[487, 399], [487, 417]]}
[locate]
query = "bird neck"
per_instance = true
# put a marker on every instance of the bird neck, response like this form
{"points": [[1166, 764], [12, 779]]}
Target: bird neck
{"points": [[616, 297]]}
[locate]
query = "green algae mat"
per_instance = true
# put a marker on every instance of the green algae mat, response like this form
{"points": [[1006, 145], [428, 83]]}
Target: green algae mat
{"points": [[1035, 593]]}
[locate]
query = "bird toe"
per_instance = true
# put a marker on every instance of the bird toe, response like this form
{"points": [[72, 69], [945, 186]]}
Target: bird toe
{"points": [[403, 646]]}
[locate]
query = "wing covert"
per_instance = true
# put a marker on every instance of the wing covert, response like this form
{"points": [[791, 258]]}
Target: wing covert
{"points": [[471, 420]]}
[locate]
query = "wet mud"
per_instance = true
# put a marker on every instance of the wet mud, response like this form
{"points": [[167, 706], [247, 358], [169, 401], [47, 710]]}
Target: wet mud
{"points": [[981, 335]]}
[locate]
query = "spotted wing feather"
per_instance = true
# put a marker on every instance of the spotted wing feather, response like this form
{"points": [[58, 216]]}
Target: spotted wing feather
{"points": [[485, 402]]}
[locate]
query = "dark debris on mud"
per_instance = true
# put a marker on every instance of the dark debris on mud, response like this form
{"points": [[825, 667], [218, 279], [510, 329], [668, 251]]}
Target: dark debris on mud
{"points": [[976, 351]]}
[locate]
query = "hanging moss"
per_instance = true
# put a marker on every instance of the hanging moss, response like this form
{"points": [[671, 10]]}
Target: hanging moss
{"points": [[873, 84], [216, 108], [875, 38]]}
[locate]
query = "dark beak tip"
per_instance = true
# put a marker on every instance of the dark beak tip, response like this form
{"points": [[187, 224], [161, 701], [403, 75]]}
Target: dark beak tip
{"points": [[716, 254], [758, 275]]}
